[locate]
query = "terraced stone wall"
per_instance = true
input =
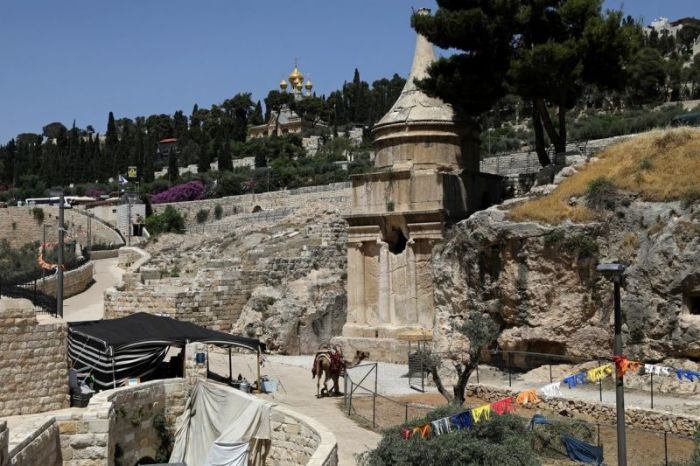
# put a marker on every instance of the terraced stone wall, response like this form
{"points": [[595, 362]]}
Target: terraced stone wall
{"points": [[33, 361]]}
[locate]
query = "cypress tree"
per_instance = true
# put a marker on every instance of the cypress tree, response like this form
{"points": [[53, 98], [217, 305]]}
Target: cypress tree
{"points": [[110, 166], [225, 162], [173, 172], [73, 161], [257, 116], [204, 160], [149, 152]]}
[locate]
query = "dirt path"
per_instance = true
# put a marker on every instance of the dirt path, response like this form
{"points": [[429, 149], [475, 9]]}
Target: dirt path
{"points": [[89, 305], [298, 391]]}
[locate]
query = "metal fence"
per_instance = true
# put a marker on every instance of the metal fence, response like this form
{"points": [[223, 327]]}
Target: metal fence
{"points": [[362, 400], [645, 447], [506, 367], [24, 286]]}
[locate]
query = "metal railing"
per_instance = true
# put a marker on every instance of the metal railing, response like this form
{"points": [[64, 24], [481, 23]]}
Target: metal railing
{"points": [[362, 401], [24, 286]]}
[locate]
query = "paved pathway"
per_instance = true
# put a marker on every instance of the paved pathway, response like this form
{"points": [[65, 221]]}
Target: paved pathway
{"points": [[89, 305], [298, 391]]}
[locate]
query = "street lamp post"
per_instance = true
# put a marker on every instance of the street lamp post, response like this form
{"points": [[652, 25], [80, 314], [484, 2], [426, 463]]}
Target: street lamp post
{"points": [[613, 272], [59, 270]]}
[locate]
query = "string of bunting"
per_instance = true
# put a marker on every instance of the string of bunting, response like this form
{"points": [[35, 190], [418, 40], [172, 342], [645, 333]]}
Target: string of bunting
{"points": [[469, 417], [40, 259]]}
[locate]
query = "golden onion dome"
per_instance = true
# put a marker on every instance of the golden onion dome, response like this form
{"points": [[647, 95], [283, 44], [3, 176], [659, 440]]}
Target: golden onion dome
{"points": [[299, 86], [295, 77], [308, 85], [283, 85]]}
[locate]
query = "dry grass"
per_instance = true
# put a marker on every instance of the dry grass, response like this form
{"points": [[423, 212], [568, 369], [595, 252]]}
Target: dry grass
{"points": [[659, 165]]}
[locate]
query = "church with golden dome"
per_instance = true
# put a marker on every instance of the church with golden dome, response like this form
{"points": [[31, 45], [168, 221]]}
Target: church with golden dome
{"points": [[286, 121], [299, 89]]}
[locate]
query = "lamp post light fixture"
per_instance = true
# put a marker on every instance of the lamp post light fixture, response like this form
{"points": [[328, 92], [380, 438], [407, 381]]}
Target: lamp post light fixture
{"points": [[614, 272]]}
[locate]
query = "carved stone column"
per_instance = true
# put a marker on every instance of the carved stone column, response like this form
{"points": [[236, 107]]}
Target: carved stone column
{"points": [[412, 311], [384, 284], [356, 284]]}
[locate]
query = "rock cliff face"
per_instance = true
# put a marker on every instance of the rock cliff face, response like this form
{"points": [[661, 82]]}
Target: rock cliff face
{"points": [[539, 282]]}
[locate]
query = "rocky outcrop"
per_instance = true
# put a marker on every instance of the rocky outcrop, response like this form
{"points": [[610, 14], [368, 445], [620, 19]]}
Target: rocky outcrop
{"points": [[540, 285], [281, 280]]}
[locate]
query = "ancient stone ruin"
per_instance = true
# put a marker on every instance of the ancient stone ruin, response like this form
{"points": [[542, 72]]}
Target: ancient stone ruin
{"points": [[423, 183]]}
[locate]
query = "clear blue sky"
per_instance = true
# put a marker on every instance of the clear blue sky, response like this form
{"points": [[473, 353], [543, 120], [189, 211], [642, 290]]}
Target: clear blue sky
{"points": [[78, 60]]}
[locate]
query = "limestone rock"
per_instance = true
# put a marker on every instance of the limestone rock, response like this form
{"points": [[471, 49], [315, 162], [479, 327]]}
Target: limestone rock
{"points": [[539, 282]]}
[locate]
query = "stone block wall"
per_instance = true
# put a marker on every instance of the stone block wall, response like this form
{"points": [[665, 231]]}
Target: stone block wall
{"points": [[74, 281], [337, 194], [132, 258], [658, 421], [519, 163], [124, 425], [41, 448], [33, 361], [121, 426], [299, 440], [19, 226], [214, 299]]}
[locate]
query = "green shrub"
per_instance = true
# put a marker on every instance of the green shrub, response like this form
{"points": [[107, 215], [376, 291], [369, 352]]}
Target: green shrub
{"points": [[218, 211], [170, 221], [202, 215], [38, 214], [503, 441], [601, 194]]}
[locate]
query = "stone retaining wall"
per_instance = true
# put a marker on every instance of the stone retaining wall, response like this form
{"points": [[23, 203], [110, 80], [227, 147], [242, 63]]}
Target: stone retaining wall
{"points": [[121, 424], [132, 258], [33, 362], [19, 226], [4, 441], [124, 425], [658, 421], [74, 281], [104, 254], [300, 440], [214, 299], [520, 163], [41, 448], [337, 193]]}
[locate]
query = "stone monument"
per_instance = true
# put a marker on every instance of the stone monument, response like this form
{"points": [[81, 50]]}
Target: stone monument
{"points": [[422, 184]]}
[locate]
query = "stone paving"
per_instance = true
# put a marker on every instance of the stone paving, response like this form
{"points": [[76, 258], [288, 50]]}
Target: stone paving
{"points": [[298, 392], [89, 305]]}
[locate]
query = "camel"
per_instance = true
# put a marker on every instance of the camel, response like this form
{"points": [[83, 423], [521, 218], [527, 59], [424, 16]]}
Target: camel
{"points": [[331, 364]]}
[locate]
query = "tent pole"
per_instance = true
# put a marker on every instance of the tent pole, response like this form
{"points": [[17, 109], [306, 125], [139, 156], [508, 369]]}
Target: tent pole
{"points": [[114, 376], [259, 382], [230, 367], [184, 360]]}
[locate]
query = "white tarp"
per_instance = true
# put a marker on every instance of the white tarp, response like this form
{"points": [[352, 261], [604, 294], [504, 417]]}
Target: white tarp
{"points": [[222, 426]]}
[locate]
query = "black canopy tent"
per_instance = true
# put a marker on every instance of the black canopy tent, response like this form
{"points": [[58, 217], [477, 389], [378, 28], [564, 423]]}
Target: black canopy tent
{"points": [[134, 346]]}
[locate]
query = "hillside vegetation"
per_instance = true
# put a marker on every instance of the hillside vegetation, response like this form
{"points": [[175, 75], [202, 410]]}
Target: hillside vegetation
{"points": [[658, 165]]}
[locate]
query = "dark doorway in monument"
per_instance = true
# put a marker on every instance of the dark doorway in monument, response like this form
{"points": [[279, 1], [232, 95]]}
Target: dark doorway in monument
{"points": [[257, 209], [145, 460], [396, 241], [539, 353]]}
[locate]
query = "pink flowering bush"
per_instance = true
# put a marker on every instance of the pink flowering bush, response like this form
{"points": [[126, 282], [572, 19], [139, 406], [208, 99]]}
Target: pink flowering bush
{"points": [[94, 192], [191, 191]]}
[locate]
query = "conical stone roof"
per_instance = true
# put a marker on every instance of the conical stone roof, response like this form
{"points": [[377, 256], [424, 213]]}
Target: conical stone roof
{"points": [[419, 131], [413, 105]]}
